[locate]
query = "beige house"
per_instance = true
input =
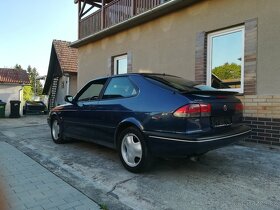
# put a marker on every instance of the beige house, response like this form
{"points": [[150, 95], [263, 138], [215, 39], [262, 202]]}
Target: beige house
{"points": [[230, 45], [12, 82], [61, 79]]}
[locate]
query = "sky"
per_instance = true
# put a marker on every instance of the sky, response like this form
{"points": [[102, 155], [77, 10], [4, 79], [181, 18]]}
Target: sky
{"points": [[27, 28], [227, 48]]}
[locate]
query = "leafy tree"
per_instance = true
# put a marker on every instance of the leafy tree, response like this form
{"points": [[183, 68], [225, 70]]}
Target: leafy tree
{"points": [[228, 71], [17, 66], [33, 74], [29, 91]]}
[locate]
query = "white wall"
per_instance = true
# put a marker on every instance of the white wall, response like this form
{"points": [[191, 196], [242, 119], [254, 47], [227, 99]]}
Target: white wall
{"points": [[61, 91], [11, 92], [67, 85], [73, 85]]}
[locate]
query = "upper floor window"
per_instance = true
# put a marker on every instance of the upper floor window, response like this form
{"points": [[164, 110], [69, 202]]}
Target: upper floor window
{"points": [[225, 59], [120, 64]]}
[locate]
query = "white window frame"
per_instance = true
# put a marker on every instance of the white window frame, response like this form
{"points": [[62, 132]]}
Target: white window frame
{"points": [[116, 59], [210, 36]]}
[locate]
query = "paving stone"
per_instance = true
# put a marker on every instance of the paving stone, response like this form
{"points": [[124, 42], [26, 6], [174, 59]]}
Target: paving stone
{"points": [[30, 186], [70, 205], [36, 208]]}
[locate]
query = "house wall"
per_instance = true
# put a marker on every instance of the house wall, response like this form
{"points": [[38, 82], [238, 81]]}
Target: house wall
{"points": [[62, 88], [11, 92], [73, 85], [168, 45]]}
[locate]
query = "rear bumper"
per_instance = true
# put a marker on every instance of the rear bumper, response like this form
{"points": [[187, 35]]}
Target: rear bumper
{"points": [[178, 145]]}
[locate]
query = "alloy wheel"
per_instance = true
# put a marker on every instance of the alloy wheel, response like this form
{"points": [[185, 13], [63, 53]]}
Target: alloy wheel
{"points": [[131, 150], [55, 130]]}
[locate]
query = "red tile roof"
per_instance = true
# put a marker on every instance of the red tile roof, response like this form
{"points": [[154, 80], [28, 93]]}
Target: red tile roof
{"points": [[67, 56], [14, 76]]}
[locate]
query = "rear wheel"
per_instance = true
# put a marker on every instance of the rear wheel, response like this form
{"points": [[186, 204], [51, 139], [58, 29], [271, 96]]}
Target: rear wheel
{"points": [[133, 150], [56, 131]]}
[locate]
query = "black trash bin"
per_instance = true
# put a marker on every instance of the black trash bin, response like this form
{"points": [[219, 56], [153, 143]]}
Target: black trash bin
{"points": [[2, 109], [15, 107]]}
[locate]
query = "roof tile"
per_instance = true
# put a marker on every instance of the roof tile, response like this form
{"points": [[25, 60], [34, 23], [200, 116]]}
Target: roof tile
{"points": [[67, 56], [15, 76]]}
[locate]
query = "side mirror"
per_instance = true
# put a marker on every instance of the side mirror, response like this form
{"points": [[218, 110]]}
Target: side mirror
{"points": [[68, 99]]}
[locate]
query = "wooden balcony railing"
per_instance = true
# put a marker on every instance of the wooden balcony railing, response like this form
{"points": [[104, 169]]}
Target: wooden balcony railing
{"points": [[144, 5], [113, 13], [116, 12], [90, 24]]}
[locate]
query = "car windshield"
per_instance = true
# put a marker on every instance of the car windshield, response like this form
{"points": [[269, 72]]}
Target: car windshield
{"points": [[179, 83]]}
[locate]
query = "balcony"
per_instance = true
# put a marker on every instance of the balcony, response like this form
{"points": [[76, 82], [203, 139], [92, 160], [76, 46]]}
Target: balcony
{"points": [[107, 13]]}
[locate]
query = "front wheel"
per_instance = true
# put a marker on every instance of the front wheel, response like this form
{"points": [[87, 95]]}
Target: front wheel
{"points": [[56, 131], [133, 150]]}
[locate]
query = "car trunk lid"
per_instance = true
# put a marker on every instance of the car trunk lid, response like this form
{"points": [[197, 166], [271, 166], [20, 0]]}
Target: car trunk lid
{"points": [[226, 109]]}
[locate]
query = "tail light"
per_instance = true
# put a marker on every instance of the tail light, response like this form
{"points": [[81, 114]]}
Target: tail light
{"points": [[238, 108], [193, 110]]}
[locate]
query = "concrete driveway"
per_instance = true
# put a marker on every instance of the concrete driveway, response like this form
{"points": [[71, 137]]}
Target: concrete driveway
{"points": [[243, 176]]}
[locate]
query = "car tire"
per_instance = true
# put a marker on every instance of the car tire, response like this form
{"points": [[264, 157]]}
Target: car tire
{"points": [[56, 131], [133, 151]]}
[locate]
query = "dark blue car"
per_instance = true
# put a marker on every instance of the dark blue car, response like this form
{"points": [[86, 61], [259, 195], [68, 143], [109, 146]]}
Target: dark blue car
{"points": [[150, 115]]}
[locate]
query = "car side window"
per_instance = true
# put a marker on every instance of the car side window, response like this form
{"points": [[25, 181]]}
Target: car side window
{"points": [[120, 87], [92, 92]]}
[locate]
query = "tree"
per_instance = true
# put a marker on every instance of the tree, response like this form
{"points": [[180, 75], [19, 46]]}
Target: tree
{"points": [[29, 91], [36, 86], [228, 71], [17, 66]]}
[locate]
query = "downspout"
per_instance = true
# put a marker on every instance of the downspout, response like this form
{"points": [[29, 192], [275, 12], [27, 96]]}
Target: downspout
{"points": [[20, 99], [19, 95]]}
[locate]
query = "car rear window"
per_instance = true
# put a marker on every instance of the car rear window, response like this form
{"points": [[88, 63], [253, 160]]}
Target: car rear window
{"points": [[178, 83]]}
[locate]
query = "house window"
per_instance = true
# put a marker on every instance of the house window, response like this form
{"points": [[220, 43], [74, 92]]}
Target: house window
{"points": [[120, 64], [225, 59]]}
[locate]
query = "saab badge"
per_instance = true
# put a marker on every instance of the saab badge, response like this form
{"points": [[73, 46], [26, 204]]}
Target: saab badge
{"points": [[225, 108]]}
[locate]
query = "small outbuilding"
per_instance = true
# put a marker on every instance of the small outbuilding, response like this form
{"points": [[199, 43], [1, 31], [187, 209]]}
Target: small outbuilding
{"points": [[62, 73], [12, 82]]}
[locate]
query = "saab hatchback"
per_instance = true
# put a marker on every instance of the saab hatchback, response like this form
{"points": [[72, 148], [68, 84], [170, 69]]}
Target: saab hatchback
{"points": [[144, 116]]}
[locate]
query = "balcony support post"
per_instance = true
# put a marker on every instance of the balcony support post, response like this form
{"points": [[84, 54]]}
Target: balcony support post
{"points": [[79, 18]]}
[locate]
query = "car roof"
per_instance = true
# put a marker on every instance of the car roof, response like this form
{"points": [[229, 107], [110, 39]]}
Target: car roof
{"points": [[128, 74]]}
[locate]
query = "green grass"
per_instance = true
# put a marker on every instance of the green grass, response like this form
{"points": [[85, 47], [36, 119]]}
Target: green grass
{"points": [[103, 207]]}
